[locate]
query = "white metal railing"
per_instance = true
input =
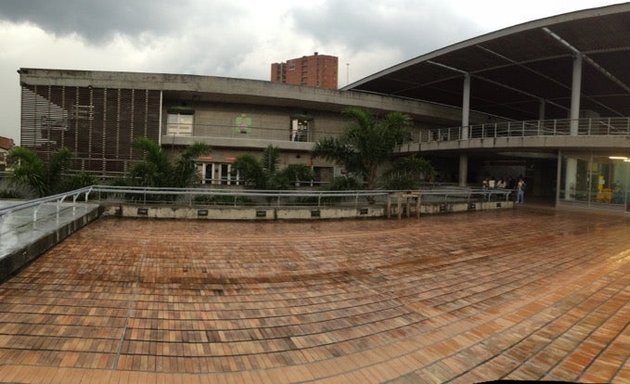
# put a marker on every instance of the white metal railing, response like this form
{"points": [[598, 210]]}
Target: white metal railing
{"points": [[198, 196], [24, 217], [54, 199], [243, 197], [253, 132], [233, 197], [230, 197], [605, 126]]}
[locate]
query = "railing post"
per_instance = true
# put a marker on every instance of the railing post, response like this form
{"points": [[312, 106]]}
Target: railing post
{"points": [[35, 210], [509, 127], [523, 128], [609, 126], [554, 127]]}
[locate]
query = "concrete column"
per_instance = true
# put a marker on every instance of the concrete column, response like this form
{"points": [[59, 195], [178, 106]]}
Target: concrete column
{"points": [[558, 177], [463, 158], [576, 88], [570, 178], [463, 169], [466, 107]]}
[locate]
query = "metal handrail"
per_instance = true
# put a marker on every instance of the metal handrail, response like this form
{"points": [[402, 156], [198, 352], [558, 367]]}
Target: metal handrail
{"points": [[591, 126], [443, 192], [58, 199]]}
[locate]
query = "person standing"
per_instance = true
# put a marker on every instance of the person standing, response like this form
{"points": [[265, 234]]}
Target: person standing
{"points": [[520, 191]]}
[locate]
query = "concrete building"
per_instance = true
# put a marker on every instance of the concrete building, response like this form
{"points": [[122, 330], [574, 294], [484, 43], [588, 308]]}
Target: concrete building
{"points": [[548, 100], [99, 114], [317, 70], [557, 91]]}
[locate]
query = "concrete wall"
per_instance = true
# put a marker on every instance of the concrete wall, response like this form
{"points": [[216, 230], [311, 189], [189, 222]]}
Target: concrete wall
{"points": [[268, 123], [222, 89], [289, 213]]}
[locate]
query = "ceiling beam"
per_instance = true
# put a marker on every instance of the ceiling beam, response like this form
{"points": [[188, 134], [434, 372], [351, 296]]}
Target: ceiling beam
{"points": [[546, 77], [592, 62]]}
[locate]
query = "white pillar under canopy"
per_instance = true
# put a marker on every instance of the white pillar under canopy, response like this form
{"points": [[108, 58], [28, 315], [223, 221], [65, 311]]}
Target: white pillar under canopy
{"points": [[466, 107], [576, 85]]}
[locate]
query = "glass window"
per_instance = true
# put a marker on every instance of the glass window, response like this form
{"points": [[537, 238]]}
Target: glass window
{"points": [[595, 179], [178, 124], [300, 129], [221, 174]]}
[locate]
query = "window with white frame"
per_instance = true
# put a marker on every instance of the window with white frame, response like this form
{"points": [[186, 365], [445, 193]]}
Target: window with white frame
{"points": [[179, 124], [300, 128]]}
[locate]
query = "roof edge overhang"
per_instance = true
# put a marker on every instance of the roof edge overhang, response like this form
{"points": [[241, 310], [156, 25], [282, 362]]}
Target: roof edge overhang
{"points": [[540, 23], [235, 89]]}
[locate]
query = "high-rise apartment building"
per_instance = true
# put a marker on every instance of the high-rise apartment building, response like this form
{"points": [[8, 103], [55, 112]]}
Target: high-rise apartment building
{"points": [[315, 71]]}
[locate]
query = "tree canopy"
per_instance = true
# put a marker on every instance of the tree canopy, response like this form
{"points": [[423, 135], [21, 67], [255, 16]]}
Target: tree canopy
{"points": [[46, 178], [367, 143], [156, 170], [264, 173]]}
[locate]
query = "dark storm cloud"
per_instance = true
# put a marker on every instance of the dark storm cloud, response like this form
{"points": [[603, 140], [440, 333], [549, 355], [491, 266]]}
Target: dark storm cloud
{"points": [[94, 20], [413, 26]]}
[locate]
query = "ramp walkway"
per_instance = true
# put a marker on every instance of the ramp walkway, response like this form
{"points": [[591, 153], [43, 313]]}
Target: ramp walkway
{"points": [[29, 228]]}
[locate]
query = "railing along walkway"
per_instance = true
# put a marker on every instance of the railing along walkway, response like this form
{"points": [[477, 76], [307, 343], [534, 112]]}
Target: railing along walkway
{"points": [[609, 126], [33, 212]]}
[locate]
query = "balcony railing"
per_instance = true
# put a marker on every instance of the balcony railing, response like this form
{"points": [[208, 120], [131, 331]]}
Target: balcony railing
{"points": [[610, 126], [307, 135]]}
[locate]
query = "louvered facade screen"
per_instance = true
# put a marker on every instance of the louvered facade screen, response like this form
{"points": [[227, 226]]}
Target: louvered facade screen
{"points": [[97, 124]]}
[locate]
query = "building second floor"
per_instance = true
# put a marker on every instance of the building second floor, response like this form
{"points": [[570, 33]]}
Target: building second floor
{"points": [[98, 115]]}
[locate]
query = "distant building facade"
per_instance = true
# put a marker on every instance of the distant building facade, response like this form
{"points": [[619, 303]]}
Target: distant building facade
{"points": [[98, 115], [5, 146], [314, 71]]}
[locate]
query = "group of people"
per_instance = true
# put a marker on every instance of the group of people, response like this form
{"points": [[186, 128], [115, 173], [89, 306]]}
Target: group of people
{"points": [[515, 184]]}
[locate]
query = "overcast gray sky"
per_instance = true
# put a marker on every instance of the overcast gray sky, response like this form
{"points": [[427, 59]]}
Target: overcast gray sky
{"points": [[239, 38]]}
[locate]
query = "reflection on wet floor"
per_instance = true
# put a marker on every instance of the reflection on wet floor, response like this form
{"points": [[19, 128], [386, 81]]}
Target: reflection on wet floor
{"points": [[519, 294]]}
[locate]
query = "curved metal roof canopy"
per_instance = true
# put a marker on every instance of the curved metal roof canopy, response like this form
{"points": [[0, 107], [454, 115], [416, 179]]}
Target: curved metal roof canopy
{"points": [[514, 69]]}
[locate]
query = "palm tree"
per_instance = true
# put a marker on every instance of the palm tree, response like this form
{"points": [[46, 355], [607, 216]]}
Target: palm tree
{"points": [[185, 170], [251, 171], [156, 171], [264, 173], [408, 172], [43, 178], [366, 144]]}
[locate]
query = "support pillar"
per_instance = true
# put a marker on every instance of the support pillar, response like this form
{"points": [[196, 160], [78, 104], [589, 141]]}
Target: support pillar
{"points": [[558, 177], [463, 169], [576, 87], [541, 109], [570, 179], [465, 107]]}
